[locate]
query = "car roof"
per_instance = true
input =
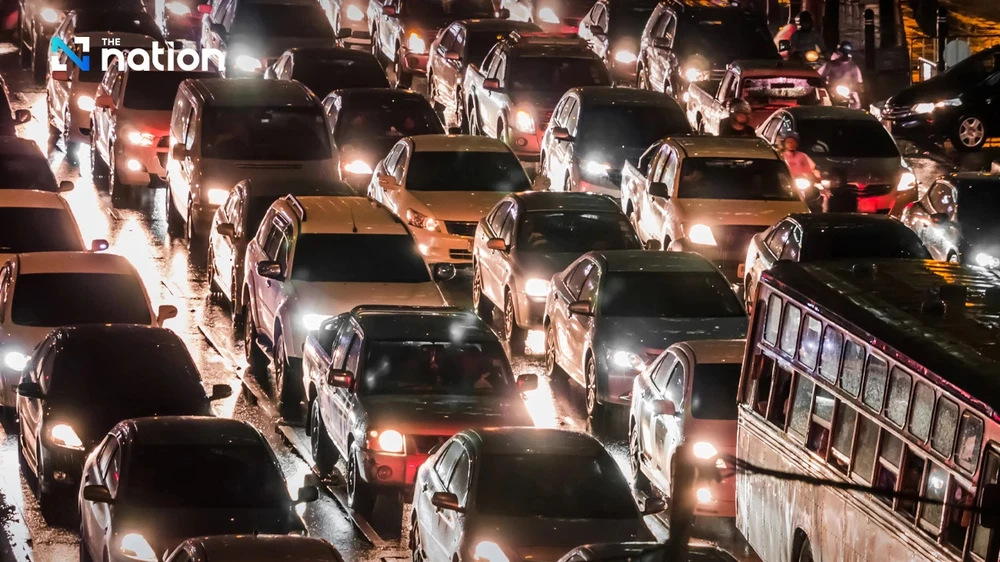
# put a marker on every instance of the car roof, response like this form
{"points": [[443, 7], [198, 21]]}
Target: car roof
{"points": [[819, 221], [828, 112], [564, 201], [388, 94], [713, 351], [533, 440], [240, 548], [330, 53], [192, 430], [252, 92], [769, 66], [114, 334], [73, 262], [549, 44], [457, 143], [724, 147], [278, 187], [643, 260], [343, 215], [19, 146], [423, 323], [32, 198], [605, 95]]}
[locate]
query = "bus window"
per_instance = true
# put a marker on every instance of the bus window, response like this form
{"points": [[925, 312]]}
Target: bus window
{"points": [[843, 435], [970, 440], [899, 396], [854, 364], [829, 361], [887, 467], [800, 407], [875, 377], [773, 320], [864, 451], [981, 538], [822, 420], [945, 424], [959, 520], [935, 488], [790, 329], [910, 479], [778, 407], [923, 409], [764, 370], [809, 347]]}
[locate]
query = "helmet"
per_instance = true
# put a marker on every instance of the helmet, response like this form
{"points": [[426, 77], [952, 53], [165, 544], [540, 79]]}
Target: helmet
{"points": [[805, 20], [792, 135], [845, 48], [738, 106]]}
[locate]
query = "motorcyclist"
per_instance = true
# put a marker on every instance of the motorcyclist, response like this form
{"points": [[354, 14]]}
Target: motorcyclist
{"points": [[806, 38], [802, 167], [841, 70], [737, 123]]}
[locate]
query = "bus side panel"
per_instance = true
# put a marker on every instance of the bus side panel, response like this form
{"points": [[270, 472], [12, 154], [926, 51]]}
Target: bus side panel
{"points": [[764, 511]]}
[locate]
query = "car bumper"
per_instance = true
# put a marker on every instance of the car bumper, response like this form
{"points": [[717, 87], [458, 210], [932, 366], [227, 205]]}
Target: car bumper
{"points": [[389, 470], [618, 387], [530, 311], [443, 248], [140, 165], [526, 146], [79, 123], [62, 470], [415, 63]]}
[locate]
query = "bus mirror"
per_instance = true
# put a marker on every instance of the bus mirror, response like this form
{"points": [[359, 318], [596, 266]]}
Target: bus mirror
{"points": [[990, 516]]}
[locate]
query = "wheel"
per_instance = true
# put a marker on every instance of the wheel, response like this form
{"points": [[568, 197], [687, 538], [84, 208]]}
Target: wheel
{"points": [[805, 553], [552, 368], [359, 493], [175, 224], [287, 383], [591, 400], [639, 481], [403, 78], [416, 542], [323, 452], [642, 81], [84, 551], [460, 115], [969, 134], [482, 305], [236, 311], [256, 360], [98, 169], [514, 334], [24, 54], [39, 63], [120, 193]]}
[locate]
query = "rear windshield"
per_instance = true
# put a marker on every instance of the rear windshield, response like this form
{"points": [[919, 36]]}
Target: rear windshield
{"points": [[851, 241], [323, 76], [265, 133], [556, 74], [713, 391], [281, 20], [631, 125], [415, 367], [155, 91], [363, 119], [578, 232], [479, 43], [63, 299], [728, 178], [37, 230], [653, 294], [853, 138], [723, 39], [775, 92], [466, 171], [21, 171], [358, 258]]}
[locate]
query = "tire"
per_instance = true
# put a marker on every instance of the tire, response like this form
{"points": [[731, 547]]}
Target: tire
{"points": [[805, 551], [360, 496], [970, 134], [592, 401], [403, 79], [256, 360], [482, 304], [84, 551], [514, 334], [235, 307], [287, 383], [323, 452], [98, 169], [552, 368], [39, 63], [120, 193], [175, 224], [214, 291], [416, 542], [460, 114], [640, 482]]}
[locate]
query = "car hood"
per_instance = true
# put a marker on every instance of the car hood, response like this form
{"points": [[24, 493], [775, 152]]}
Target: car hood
{"points": [[337, 298], [737, 212], [543, 264], [657, 334], [444, 415], [936, 89], [543, 539], [155, 122], [272, 47], [169, 527], [862, 170], [542, 101], [467, 206]]}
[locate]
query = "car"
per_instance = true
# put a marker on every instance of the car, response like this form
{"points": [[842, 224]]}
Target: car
{"points": [[595, 129], [192, 475], [254, 548], [226, 130], [554, 17], [462, 44], [529, 237], [613, 30], [82, 380], [366, 123], [806, 237], [401, 30], [236, 222], [711, 195], [9, 117], [349, 19], [44, 290], [324, 70], [852, 146], [252, 34], [39, 221], [610, 314], [687, 395], [955, 219], [646, 551], [685, 43], [521, 494], [181, 19], [130, 128], [512, 95], [954, 105], [442, 185], [71, 93], [408, 378], [23, 166], [317, 257]]}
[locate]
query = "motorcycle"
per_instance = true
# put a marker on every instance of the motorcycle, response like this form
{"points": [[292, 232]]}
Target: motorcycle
{"points": [[845, 96]]}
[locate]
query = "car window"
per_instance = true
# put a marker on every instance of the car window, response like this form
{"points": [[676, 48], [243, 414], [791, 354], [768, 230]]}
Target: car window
{"points": [[776, 240], [353, 355], [771, 128], [499, 215], [449, 38], [112, 476], [793, 246], [104, 459], [942, 198], [675, 386], [4, 291], [507, 230], [447, 461], [590, 286], [663, 370], [340, 350], [274, 238], [575, 280], [459, 484]]}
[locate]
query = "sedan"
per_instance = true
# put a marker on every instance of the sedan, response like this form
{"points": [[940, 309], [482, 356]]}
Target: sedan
{"points": [[38, 221], [10, 118], [325, 69], [613, 30], [609, 314], [153, 482], [516, 494], [255, 548], [23, 166]]}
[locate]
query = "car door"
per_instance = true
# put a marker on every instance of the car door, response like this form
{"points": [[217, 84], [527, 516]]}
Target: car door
{"points": [[596, 32], [97, 515], [495, 101], [31, 411], [503, 263], [387, 167], [495, 260], [658, 211], [221, 15], [579, 326], [562, 151], [346, 396], [101, 117], [396, 199], [661, 40], [440, 524], [444, 71], [668, 431], [453, 522], [224, 247], [487, 258], [648, 420], [770, 129], [269, 291], [330, 400], [566, 291]]}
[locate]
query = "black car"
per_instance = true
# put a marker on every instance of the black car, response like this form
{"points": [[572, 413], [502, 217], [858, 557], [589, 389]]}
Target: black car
{"points": [[324, 70], [23, 166], [613, 30], [959, 104], [83, 380], [9, 118], [957, 219]]}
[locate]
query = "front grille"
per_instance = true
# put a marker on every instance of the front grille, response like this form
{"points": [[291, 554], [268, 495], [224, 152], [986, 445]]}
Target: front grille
{"points": [[461, 228], [615, 176], [733, 242], [892, 112], [460, 254], [423, 444], [164, 142], [869, 190]]}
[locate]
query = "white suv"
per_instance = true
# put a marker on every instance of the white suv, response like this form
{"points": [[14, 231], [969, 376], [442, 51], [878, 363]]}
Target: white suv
{"points": [[313, 258], [38, 221]]}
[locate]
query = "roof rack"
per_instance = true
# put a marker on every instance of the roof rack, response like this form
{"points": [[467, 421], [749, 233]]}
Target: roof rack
{"points": [[294, 204]]}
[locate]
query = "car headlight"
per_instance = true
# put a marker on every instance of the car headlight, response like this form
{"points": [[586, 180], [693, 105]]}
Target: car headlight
{"points": [[416, 44], [704, 495], [812, 56], [247, 63], [359, 167], [85, 103], [136, 547], [63, 435], [925, 107], [49, 15], [548, 15], [986, 260], [217, 196], [420, 220], [595, 168], [354, 13], [537, 288], [312, 321], [843, 91], [524, 122], [628, 360], [803, 183], [141, 139], [953, 102], [704, 450], [489, 551], [695, 74], [702, 235], [907, 181], [16, 360], [391, 441], [179, 8], [624, 56]]}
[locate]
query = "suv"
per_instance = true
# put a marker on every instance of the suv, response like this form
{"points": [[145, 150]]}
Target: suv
{"points": [[313, 258]]}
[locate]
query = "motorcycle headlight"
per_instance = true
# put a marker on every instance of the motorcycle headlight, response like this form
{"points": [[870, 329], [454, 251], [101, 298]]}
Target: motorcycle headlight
{"points": [[628, 360], [416, 44], [63, 435], [702, 235], [420, 220], [925, 107], [624, 56], [179, 8], [524, 122], [217, 196], [359, 167], [986, 260], [907, 181], [390, 441], [136, 547], [537, 288], [488, 551], [354, 13], [247, 63], [49, 15], [141, 139], [312, 321], [548, 15], [85, 103], [843, 91], [803, 183], [16, 360]]}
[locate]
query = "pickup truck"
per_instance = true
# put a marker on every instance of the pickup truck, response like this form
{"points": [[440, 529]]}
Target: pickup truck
{"points": [[511, 96], [766, 85]]}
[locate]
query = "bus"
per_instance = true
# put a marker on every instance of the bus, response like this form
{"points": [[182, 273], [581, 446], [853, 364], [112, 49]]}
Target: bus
{"points": [[883, 374]]}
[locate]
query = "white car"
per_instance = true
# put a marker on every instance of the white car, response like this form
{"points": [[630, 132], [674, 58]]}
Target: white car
{"points": [[38, 221], [314, 258], [442, 185], [44, 290]]}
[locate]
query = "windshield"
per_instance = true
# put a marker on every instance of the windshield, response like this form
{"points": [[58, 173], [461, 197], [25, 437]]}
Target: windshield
{"points": [[363, 119], [850, 138], [578, 232], [773, 92], [244, 476], [265, 133], [63, 299], [466, 171], [415, 367], [323, 76], [725, 39], [26, 229], [479, 43], [358, 258], [654, 294], [556, 74], [116, 22], [713, 391], [553, 486], [633, 126], [307, 21], [156, 90], [888, 239], [729, 178], [628, 22], [26, 171], [448, 9]]}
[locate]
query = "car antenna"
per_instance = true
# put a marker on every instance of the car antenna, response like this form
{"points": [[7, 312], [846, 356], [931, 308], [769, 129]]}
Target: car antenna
{"points": [[354, 223]]}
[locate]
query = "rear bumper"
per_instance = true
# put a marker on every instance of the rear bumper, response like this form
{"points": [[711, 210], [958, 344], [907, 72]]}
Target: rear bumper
{"points": [[529, 311], [414, 63], [389, 470], [443, 248], [150, 161]]}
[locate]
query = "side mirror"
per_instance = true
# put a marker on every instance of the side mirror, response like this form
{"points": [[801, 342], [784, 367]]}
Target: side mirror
{"points": [[22, 116], [562, 134], [443, 271], [453, 56], [104, 100], [218, 29], [386, 181], [31, 390], [659, 189], [938, 218], [653, 505], [784, 46], [654, 245], [179, 152], [220, 391], [344, 33], [491, 85], [990, 517], [98, 494], [527, 382], [65, 186], [446, 500], [307, 494], [663, 408], [389, 11], [583, 308], [596, 30], [497, 244], [270, 270], [204, 8], [226, 229], [60, 75], [339, 378], [503, 13], [541, 183], [164, 313], [99, 245]]}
